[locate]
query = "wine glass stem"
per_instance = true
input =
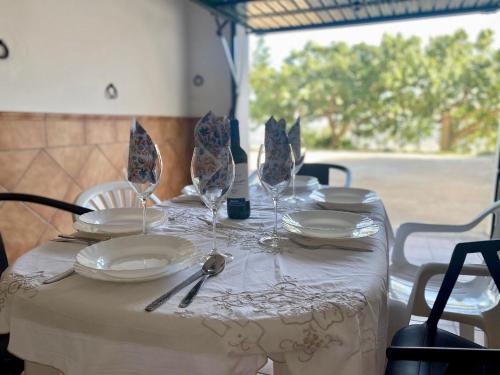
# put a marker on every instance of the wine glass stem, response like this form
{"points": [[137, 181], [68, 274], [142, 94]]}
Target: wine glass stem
{"points": [[143, 204], [214, 236], [275, 230], [293, 184]]}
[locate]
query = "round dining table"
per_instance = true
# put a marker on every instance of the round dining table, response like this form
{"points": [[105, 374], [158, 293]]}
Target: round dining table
{"points": [[312, 307]]}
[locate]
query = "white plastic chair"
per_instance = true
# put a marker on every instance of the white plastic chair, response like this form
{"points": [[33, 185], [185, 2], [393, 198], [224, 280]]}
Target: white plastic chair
{"points": [[474, 302], [114, 194]]}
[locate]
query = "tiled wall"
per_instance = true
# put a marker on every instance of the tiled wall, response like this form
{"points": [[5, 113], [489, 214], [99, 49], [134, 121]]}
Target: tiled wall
{"points": [[58, 156]]}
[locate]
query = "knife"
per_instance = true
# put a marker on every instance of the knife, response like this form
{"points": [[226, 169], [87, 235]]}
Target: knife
{"points": [[164, 297]]}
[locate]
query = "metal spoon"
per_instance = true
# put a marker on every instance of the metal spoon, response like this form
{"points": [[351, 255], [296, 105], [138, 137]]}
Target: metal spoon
{"points": [[205, 269], [214, 269]]}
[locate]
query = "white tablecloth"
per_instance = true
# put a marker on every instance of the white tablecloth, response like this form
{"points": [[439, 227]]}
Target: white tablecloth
{"points": [[322, 311]]}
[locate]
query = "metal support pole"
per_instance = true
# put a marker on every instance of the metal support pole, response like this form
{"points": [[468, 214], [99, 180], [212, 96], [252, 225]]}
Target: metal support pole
{"points": [[229, 51], [234, 76], [495, 225]]}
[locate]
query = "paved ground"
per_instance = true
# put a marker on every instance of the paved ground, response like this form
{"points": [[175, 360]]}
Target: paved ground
{"points": [[424, 188]]}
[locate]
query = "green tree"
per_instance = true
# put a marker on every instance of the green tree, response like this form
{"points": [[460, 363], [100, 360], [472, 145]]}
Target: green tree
{"points": [[399, 91], [464, 89]]}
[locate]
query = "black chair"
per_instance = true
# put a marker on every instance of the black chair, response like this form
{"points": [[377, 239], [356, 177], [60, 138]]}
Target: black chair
{"points": [[425, 349], [322, 172], [9, 364]]}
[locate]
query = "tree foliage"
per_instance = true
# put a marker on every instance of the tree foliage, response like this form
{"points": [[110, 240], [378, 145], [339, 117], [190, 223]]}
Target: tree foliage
{"points": [[396, 94]]}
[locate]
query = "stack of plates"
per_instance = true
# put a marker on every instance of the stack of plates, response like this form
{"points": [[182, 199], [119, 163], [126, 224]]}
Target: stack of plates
{"points": [[304, 184], [329, 224], [136, 258], [118, 221], [338, 198]]}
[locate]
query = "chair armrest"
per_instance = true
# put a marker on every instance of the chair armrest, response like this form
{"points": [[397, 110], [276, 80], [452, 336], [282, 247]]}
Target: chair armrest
{"points": [[406, 229], [442, 354], [427, 271]]}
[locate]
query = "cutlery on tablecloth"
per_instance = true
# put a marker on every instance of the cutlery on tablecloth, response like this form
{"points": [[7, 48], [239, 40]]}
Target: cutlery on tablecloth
{"points": [[77, 238], [214, 269], [74, 240], [59, 276], [208, 265]]}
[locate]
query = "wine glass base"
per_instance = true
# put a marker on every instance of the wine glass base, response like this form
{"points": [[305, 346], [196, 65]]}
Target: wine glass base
{"points": [[272, 241]]}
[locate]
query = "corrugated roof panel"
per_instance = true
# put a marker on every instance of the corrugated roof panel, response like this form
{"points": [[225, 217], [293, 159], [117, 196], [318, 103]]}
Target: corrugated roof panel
{"points": [[373, 11], [336, 15], [279, 15], [440, 5], [301, 4]]}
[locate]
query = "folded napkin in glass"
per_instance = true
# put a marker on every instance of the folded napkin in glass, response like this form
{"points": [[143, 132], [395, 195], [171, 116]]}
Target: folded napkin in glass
{"points": [[278, 163], [142, 156], [211, 136], [294, 140]]}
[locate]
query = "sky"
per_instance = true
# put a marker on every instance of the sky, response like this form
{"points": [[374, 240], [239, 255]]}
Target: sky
{"points": [[281, 44]]}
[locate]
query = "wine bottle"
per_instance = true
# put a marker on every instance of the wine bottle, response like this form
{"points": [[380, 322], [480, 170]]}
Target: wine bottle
{"points": [[238, 201]]}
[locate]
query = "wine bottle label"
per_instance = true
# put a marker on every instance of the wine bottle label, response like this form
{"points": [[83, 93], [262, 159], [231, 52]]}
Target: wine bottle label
{"points": [[240, 184]]}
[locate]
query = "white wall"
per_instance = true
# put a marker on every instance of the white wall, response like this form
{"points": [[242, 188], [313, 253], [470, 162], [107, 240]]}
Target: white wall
{"points": [[65, 52], [206, 58]]}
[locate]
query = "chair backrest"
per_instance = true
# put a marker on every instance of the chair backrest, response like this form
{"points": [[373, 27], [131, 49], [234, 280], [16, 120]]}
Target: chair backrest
{"points": [[4, 263], [74, 209], [488, 249], [322, 172], [114, 194]]}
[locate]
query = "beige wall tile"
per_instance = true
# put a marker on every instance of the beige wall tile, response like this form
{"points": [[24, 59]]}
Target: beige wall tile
{"points": [[97, 170], [13, 164], [71, 158], [122, 126], [44, 177], [22, 133], [64, 131], [117, 154], [99, 130]]}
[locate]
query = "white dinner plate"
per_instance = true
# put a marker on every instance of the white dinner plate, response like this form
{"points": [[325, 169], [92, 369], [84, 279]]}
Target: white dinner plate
{"points": [[329, 196], [136, 258], [329, 224], [118, 220]]}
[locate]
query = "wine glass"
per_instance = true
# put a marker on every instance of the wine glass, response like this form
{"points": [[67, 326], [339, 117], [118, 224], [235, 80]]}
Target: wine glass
{"points": [[275, 177], [297, 163], [144, 189], [213, 177]]}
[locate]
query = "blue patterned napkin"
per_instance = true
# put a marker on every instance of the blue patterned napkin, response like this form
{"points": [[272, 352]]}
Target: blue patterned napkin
{"points": [[277, 167], [294, 139], [211, 136], [142, 156]]}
